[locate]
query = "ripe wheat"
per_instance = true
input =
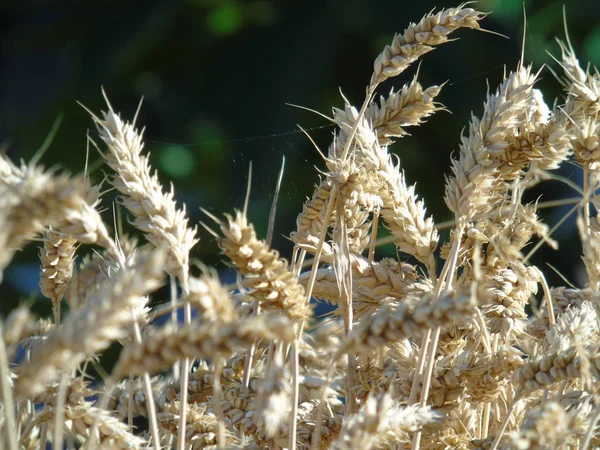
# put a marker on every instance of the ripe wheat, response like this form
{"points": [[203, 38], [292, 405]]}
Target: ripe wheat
{"points": [[443, 352]]}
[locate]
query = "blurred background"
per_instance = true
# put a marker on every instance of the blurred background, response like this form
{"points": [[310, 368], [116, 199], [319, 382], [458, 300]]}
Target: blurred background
{"points": [[217, 76]]}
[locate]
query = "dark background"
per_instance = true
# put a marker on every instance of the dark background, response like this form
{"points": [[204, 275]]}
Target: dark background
{"points": [[216, 77]]}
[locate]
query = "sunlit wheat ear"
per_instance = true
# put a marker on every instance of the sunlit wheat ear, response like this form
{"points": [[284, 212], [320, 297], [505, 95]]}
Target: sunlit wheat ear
{"points": [[58, 254], [92, 327], [377, 183], [486, 375], [112, 432], [575, 327], [268, 275], [33, 199], [166, 346], [505, 293], [407, 319], [583, 90], [555, 367], [57, 267], [389, 118], [380, 422], [211, 299], [544, 426], [96, 267], [310, 220], [155, 212], [476, 186], [421, 38], [373, 285]]}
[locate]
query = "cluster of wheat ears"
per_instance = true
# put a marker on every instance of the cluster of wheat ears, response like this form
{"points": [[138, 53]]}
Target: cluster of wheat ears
{"points": [[452, 352]]}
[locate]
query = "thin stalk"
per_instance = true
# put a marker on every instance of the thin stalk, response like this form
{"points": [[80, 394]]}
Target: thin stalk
{"points": [[151, 411], [349, 318], [485, 422], [149, 396], [249, 359], [485, 426], [548, 294], [60, 409], [185, 371], [218, 396], [56, 312], [479, 422], [299, 255], [444, 282], [412, 398], [431, 349], [43, 436], [174, 306], [130, 391], [345, 282], [7, 396], [293, 426], [586, 198], [485, 341], [424, 344], [373, 242], [296, 391], [299, 261], [504, 424], [590, 432]]}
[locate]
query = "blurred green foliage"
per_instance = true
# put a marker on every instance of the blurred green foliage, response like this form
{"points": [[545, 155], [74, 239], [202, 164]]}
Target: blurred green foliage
{"points": [[216, 76]]}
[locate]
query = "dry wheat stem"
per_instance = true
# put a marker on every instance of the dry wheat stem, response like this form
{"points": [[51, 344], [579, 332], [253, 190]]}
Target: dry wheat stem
{"points": [[149, 397], [58, 416], [7, 396], [217, 395], [309, 289], [446, 284], [589, 434]]}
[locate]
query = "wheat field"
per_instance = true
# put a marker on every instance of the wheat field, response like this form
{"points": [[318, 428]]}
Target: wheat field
{"points": [[456, 343]]}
